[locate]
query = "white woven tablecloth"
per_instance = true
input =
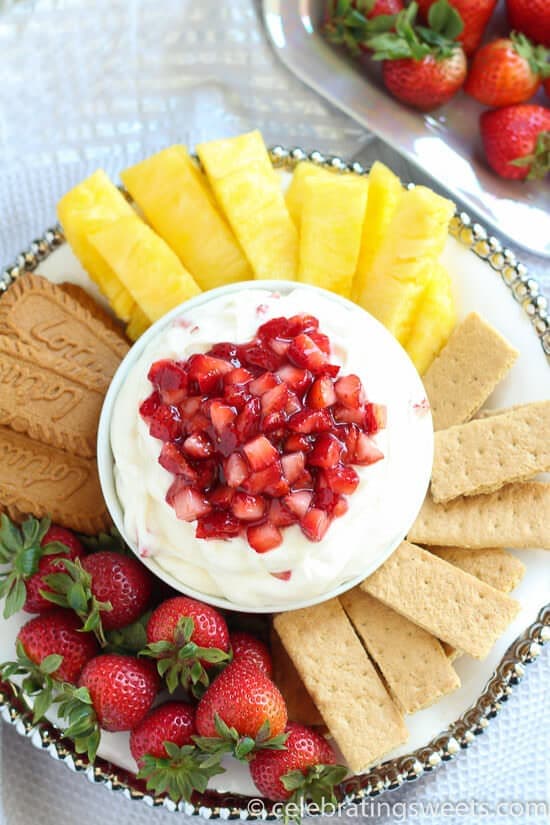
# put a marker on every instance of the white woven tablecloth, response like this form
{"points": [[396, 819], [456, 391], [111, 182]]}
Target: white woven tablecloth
{"points": [[105, 82]]}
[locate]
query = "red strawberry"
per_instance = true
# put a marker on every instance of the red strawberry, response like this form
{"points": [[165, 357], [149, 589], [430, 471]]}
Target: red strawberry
{"points": [[516, 140], [425, 83], [276, 773], [532, 17], [29, 553], [187, 638], [507, 71], [475, 15], [249, 648], [243, 709], [107, 590], [35, 601], [58, 632], [171, 722], [260, 453], [169, 378], [315, 524], [163, 747], [122, 689]]}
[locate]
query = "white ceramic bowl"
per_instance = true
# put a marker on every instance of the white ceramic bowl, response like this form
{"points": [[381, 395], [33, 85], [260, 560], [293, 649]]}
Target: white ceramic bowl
{"points": [[409, 461]]}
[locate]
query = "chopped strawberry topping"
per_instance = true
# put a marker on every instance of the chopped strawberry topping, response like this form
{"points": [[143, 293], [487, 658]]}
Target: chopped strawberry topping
{"points": [[262, 435]]}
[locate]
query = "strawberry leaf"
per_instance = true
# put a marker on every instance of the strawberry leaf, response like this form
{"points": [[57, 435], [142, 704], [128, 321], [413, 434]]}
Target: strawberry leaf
{"points": [[15, 597], [105, 541], [38, 685], [129, 639], [73, 590], [536, 56], [539, 160], [445, 19], [243, 748], [76, 708], [20, 553], [315, 785], [184, 770], [415, 42]]}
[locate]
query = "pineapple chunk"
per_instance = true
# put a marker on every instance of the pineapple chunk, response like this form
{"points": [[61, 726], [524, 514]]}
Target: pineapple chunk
{"points": [[176, 200], [139, 322], [152, 273], [333, 212], [434, 321], [295, 193], [249, 192], [227, 155], [385, 189], [90, 206], [405, 261]]}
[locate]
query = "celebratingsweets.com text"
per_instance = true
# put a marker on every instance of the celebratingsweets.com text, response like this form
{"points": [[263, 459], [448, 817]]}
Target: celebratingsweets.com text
{"points": [[523, 811]]}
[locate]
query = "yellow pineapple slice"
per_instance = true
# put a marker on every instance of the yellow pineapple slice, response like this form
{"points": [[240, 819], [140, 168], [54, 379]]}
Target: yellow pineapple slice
{"points": [[139, 322], [227, 155], [90, 206], [333, 211], [385, 189], [405, 261], [434, 322], [249, 192], [295, 193], [150, 271], [174, 196]]}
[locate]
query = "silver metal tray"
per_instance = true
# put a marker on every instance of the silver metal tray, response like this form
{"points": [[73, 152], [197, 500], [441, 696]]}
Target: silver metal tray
{"points": [[393, 773], [444, 144]]}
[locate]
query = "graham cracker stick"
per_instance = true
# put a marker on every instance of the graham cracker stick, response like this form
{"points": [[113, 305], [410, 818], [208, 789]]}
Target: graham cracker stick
{"points": [[445, 601], [299, 704], [412, 661], [485, 454], [492, 565], [466, 371], [343, 682], [516, 516]]}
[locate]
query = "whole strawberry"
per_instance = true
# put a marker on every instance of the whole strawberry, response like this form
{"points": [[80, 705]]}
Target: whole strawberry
{"points": [[187, 638], [171, 722], [516, 140], [58, 632], [107, 589], [121, 688], [422, 67], [168, 759], [48, 564], [249, 648], [241, 711], [507, 71], [475, 15], [28, 554], [304, 769], [532, 17]]}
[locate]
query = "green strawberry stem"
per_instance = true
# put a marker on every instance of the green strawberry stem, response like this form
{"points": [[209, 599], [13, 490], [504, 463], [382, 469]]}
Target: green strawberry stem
{"points": [[105, 541], [413, 41], [184, 770], [38, 683], [20, 553], [181, 662], [317, 786], [73, 590], [347, 23], [130, 639], [76, 708], [539, 160], [229, 740], [536, 56]]}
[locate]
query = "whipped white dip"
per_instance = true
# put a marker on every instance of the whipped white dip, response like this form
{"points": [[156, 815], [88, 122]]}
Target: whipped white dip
{"points": [[381, 509]]}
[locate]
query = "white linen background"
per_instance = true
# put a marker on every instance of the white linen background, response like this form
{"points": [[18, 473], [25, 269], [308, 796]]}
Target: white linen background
{"points": [[104, 83]]}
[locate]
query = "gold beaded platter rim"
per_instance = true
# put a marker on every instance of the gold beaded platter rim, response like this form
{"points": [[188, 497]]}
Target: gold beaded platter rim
{"points": [[393, 773]]}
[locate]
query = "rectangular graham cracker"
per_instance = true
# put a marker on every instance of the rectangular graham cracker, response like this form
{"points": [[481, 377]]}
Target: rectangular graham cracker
{"points": [[450, 604], [343, 682], [49, 405], [517, 516], [485, 454], [466, 371], [412, 661], [44, 481], [299, 704], [493, 565]]}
